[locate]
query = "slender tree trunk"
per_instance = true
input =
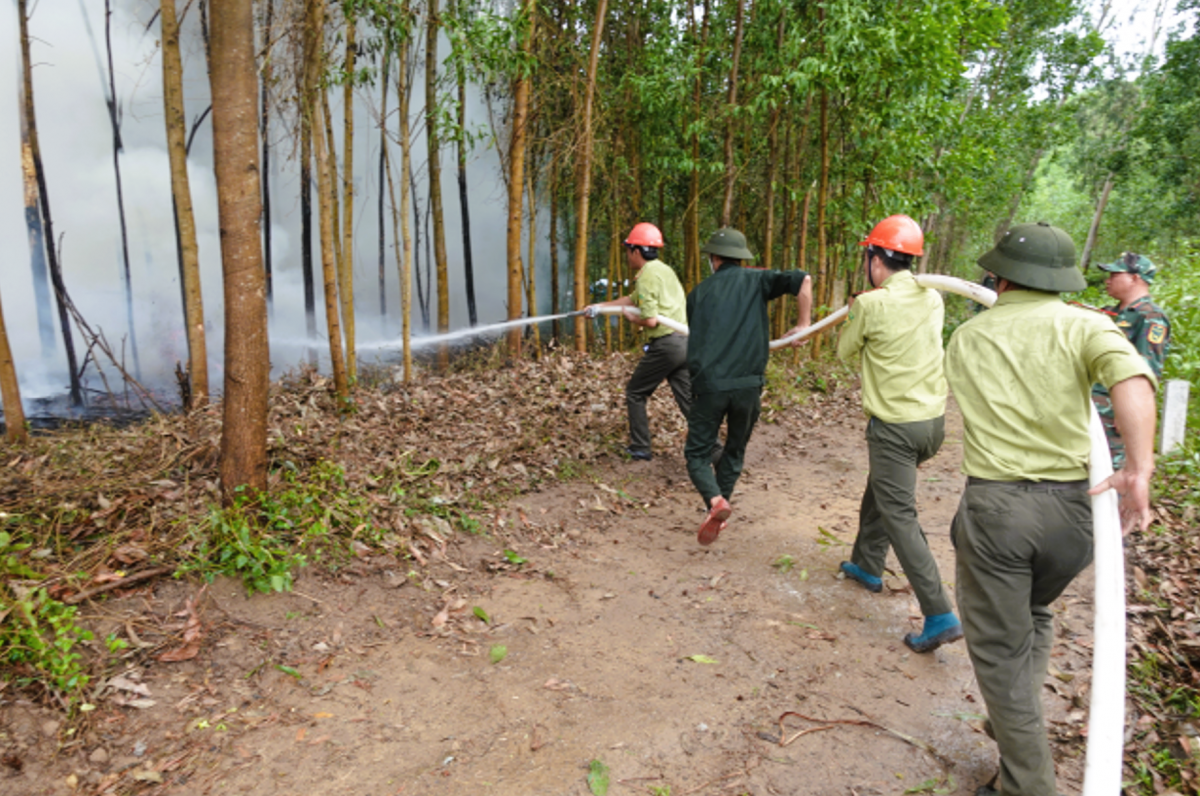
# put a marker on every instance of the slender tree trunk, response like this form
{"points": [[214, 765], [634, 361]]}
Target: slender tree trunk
{"points": [[35, 155], [310, 44], [435, 181], [326, 191], [335, 205], [403, 88], [268, 73], [185, 222], [731, 108], [384, 169], [346, 281], [823, 270], [239, 205], [516, 182], [422, 296], [1085, 259], [463, 203], [772, 164], [691, 246], [115, 123], [583, 181], [33, 227], [552, 192], [531, 271], [10, 390]]}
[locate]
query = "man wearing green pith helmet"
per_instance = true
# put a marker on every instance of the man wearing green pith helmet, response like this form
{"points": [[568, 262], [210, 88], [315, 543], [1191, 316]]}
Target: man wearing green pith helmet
{"points": [[727, 352], [1022, 374], [1142, 321]]}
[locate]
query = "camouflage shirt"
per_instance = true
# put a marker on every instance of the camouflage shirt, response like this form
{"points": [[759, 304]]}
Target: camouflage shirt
{"points": [[1148, 329]]}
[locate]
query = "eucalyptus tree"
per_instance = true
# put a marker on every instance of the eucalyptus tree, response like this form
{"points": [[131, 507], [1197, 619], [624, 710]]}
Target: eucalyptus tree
{"points": [[10, 390], [434, 159], [181, 195], [234, 79]]}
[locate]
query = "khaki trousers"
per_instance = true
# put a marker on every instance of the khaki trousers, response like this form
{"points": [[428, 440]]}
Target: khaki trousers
{"points": [[888, 517]]}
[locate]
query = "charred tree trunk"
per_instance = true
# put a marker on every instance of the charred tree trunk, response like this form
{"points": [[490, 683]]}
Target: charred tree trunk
{"points": [[10, 390], [531, 270], [35, 154], [731, 108], [115, 123], [435, 182], [185, 222], [306, 226], [33, 228], [346, 272], [239, 204], [463, 203], [422, 294], [583, 180], [267, 75], [516, 185]]}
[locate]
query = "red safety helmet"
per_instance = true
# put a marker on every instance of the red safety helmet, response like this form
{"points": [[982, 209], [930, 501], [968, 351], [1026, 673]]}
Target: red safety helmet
{"points": [[645, 234], [897, 234]]}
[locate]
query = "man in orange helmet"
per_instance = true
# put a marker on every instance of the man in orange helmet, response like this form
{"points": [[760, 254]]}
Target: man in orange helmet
{"points": [[897, 330], [657, 293]]}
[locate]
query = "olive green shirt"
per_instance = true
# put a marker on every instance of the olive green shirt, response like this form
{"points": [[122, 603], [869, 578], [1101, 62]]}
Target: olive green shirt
{"points": [[898, 331], [1022, 374], [658, 292]]}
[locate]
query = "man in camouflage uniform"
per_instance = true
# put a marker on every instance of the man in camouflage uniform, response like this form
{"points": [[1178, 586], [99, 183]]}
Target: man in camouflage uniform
{"points": [[1142, 321]]}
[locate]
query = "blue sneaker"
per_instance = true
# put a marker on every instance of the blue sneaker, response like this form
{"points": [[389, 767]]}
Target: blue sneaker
{"points": [[939, 630], [869, 582]]}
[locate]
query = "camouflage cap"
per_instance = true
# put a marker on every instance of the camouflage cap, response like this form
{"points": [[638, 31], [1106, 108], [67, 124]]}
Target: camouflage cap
{"points": [[728, 243], [1036, 256], [1131, 263]]}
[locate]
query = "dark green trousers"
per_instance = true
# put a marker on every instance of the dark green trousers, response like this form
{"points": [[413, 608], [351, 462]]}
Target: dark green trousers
{"points": [[888, 516], [738, 409], [1019, 545]]}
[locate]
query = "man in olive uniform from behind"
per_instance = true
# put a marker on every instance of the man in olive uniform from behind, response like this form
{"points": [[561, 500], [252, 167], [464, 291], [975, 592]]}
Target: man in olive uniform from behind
{"points": [[896, 328], [1142, 321], [728, 347], [657, 293], [1022, 374]]}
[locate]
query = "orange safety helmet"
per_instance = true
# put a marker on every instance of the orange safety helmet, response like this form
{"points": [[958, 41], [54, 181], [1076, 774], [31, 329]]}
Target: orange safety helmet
{"points": [[897, 233], [645, 234]]}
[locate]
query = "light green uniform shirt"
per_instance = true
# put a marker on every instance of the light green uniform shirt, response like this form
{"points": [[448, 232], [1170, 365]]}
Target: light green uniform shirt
{"points": [[898, 330], [1022, 373], [658, 292]]}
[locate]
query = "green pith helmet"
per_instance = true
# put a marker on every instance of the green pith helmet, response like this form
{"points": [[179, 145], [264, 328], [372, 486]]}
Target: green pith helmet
{"points": [[1131, 263], [1036, 256], [728, 243]]}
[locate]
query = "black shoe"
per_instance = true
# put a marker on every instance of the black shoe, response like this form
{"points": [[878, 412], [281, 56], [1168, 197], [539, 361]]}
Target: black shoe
{"points": [[639, 456]]}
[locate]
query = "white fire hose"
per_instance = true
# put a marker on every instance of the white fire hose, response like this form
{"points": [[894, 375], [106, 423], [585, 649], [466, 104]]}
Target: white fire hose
{"points": [[1106, 715]]}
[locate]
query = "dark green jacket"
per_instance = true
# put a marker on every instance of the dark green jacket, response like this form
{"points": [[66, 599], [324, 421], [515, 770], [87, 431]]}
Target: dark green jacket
{"points": [[728, 327]]}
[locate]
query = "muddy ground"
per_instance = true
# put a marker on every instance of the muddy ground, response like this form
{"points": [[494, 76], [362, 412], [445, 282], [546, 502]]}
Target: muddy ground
{"points": [[624, 642]]}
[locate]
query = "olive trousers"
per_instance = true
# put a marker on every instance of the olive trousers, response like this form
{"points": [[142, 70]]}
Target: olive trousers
{"points": [[739, 410], [888, 516], [1019, 544], [666, 358]]}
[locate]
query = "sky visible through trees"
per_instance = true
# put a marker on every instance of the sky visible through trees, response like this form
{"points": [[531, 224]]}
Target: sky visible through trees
{"points": [[965, 114]]}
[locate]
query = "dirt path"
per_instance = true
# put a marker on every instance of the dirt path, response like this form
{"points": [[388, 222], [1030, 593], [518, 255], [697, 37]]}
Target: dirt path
{"points": [[626, 643]]}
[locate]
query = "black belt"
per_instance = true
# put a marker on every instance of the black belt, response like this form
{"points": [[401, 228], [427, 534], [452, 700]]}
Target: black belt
{"points": [[1036, 486]]}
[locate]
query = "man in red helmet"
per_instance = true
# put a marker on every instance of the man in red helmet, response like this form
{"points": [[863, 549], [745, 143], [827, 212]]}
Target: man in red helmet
{"points": [[656, 293], [897, 330]]}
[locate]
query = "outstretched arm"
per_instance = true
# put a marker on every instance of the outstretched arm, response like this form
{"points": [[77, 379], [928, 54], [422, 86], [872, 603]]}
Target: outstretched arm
{"points": [[803, 310]]}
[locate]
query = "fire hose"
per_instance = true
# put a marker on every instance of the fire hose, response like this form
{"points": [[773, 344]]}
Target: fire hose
{"points": [[1106, 714]]}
